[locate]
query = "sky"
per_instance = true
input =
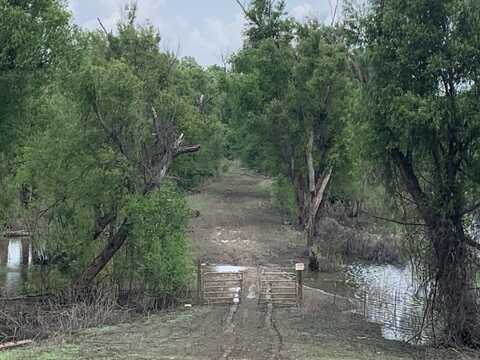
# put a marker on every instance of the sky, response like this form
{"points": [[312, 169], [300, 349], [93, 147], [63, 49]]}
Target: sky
{"points": [[207, 30]]}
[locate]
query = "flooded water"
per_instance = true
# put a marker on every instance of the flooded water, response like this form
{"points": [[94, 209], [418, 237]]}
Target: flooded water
{"points": [[15, 257], [228, 269], [385, 294]]}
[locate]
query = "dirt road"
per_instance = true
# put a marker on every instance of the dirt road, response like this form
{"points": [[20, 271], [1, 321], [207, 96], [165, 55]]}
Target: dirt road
{"points": [[237, 225]]}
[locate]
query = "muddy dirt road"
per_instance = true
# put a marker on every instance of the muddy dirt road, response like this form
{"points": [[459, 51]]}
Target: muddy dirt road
{"points": [[238, 226]]}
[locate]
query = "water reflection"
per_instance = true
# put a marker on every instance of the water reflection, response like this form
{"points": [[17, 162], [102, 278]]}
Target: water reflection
{"points": [[15, 257], [385, 294], [228, 269], [392, 296]]}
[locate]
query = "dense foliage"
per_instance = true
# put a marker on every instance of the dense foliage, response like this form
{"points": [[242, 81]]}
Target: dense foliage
{"points": [[421, 121], [105, 123], [286, 105]]}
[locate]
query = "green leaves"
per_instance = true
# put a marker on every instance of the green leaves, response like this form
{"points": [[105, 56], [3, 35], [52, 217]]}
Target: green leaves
{"points": [[93, 149], [158, 246]]}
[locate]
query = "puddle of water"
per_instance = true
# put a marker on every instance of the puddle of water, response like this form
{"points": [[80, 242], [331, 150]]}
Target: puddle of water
{"points": [[14, 254], [15, 257], [228, 269]]}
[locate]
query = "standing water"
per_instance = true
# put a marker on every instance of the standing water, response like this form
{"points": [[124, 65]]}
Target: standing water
{"points": [[15, 257], [385, 294]]}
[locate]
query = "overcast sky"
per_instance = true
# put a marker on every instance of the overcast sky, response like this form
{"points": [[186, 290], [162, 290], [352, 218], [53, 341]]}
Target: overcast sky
{"points": [[204, 29]]}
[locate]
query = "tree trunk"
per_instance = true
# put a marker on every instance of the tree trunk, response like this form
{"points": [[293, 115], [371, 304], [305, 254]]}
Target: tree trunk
{"points": [[4, 251], [454, 276], [450, 264], [315, 201], [171, 146], [25, 251], [114, 244]]}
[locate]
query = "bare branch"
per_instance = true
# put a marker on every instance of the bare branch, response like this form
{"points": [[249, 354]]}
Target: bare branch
{"points": [[392, 220], [187, 149], [103, 27], [471, 209], [334, 14], [244, 9], [472, 243]]}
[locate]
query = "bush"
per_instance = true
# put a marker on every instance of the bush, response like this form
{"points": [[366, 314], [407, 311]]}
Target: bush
{"points": [[157, 256], [283, 195]]}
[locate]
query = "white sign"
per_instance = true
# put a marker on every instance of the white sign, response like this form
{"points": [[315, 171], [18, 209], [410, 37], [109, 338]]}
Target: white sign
{"points": [[299, 266]]}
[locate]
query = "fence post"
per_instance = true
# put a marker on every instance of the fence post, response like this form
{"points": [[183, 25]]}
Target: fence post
{"points": [[199, 282], [335, 293], [364, 302], [299, 270]]}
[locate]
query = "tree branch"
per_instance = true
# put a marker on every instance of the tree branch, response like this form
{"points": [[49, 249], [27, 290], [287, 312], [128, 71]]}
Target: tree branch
{"points": [[472, 209], [472, 243], [411, 182], [103, 27], [187, 149], [392, 220], [244, 9]]}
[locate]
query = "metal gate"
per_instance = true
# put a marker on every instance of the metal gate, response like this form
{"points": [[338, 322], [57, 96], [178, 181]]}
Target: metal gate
{"points": [[278, 286], [219, 287]]}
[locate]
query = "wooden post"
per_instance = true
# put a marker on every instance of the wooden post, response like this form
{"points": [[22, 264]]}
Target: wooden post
{"points": [[335, 294], [365, 302], [199, 282], [299, 270]]}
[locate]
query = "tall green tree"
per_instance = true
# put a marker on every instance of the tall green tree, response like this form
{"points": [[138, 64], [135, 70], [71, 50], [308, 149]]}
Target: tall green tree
{"points": [[35, 39], [287, 101], [112, 132], [422, 122]]}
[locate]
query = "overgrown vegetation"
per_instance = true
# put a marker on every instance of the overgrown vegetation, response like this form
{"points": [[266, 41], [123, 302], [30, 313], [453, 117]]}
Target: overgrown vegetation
{"points": [[96, 129], [375, 114]]}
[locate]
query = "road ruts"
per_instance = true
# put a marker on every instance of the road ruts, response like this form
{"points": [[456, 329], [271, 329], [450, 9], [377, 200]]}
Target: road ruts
{"points": [[249, 329]]}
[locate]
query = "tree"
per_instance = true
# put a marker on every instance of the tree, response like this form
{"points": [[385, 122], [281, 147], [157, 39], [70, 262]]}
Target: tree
{"points": [[112, 131], [287, 100], [422, 121], [320, 80], [34, 41]]}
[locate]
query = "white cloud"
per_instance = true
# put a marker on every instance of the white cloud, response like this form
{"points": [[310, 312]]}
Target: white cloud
{"points": [[205, 39], [301, 12], [190, 28]]}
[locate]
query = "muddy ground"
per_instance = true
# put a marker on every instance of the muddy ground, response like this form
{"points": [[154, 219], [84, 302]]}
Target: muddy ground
{"points": [[238, 226]]}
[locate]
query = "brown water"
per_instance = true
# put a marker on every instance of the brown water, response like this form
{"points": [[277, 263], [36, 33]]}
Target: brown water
{"points": [[15, 257]]}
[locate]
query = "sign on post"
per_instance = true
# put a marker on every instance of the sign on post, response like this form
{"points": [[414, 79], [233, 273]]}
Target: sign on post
{"points": [[299, 267]]}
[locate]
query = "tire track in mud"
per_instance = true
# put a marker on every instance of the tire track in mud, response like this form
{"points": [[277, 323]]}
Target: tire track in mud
{"points": [[273, 330], [250, 331], [228, 330]]}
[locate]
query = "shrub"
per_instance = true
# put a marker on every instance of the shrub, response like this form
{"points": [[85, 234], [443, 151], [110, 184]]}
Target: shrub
{"points": [[157, 255], [283, 195]]}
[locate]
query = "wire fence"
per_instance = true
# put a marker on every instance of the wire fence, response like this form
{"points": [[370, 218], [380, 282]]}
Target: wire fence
{"points": [[401, 314]]}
